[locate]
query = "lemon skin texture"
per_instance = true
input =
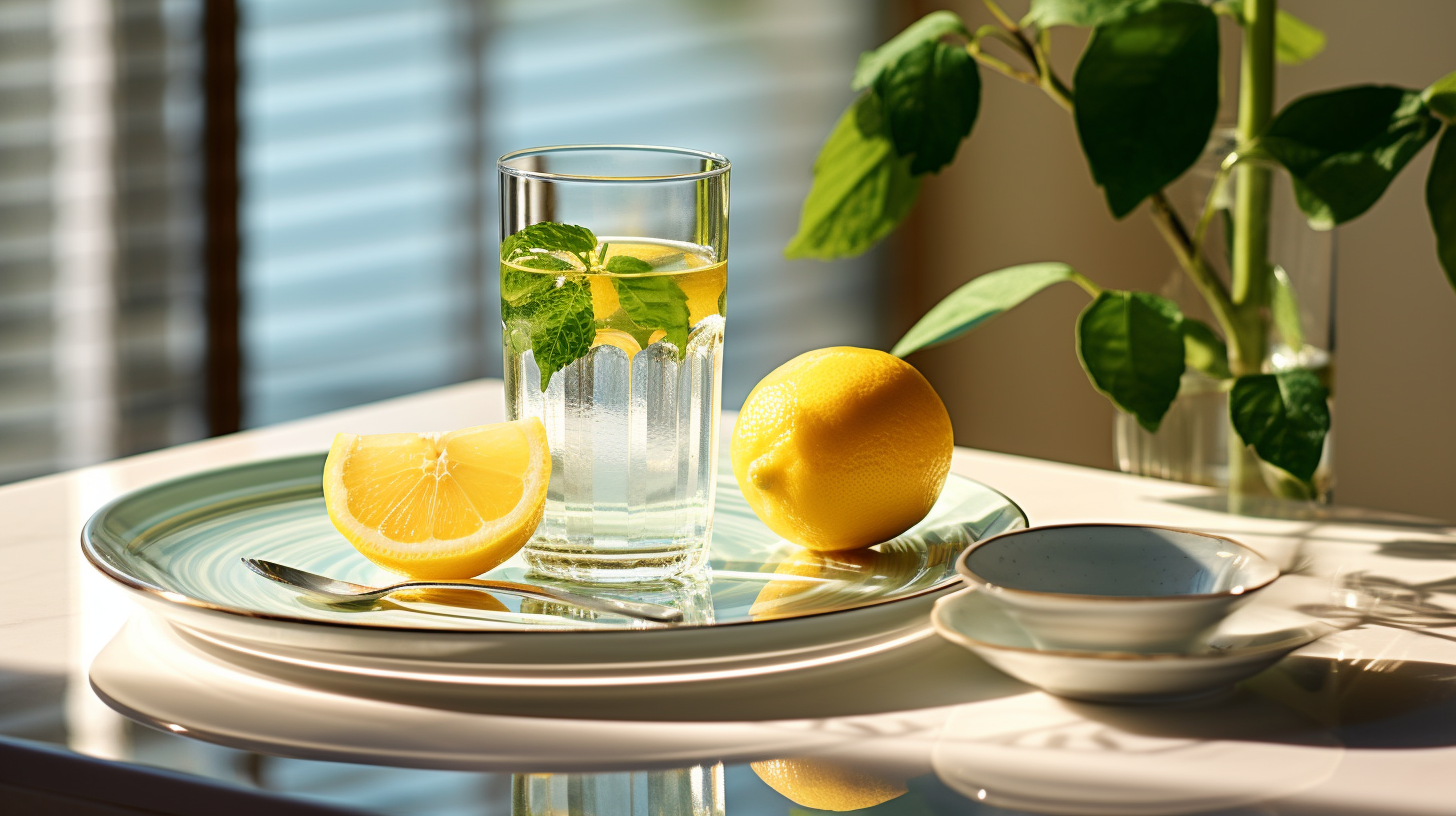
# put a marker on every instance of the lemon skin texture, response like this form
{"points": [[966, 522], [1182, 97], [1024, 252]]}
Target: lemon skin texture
{"points": [[842, 448]]}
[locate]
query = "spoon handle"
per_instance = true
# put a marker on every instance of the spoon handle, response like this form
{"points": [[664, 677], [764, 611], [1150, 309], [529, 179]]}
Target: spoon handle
{"points": [[598, 603]]}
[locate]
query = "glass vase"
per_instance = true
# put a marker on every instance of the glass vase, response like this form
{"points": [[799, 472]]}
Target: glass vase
{"points": [[1195, 442]]}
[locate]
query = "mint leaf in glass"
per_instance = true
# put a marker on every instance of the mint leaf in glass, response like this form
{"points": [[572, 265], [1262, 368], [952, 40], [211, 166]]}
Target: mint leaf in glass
{"points": [[549, 236], [560, 324], [627, 265], [519, 289], [619, 321], [656, 303], [552, 314]]}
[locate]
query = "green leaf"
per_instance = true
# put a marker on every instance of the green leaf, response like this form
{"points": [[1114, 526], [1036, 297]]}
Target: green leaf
{"points": [[1284, 416], [1285, 308], [656, 303], [1083, 13], [1203, 350], [549, 236], [621, 322], [1440, 97], [1296, 41], [931, 96], [929, 28], [548, 263], [1344, 147], [1131, 344], [561, 325], [627, 265], [1441, 201], [978, 301], [1146, 98], [861, 191], [519, 288], [723, 303]]}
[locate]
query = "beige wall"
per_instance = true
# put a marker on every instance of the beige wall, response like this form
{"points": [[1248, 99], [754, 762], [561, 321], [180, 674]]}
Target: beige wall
{"points": [[1020, 192]]}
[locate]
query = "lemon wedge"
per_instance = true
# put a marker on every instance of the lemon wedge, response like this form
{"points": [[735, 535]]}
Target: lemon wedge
{"points": [[436, 506]]}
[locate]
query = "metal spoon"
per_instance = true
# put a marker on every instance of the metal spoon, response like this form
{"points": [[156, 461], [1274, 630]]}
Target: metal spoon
{"points": [[330, 590]]}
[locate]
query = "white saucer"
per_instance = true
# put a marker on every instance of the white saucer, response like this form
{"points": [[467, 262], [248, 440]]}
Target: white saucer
{"points": [[1248, 642]]}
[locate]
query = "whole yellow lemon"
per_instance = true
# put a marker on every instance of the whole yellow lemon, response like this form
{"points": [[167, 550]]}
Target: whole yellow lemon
{"points": [[842, 448]]}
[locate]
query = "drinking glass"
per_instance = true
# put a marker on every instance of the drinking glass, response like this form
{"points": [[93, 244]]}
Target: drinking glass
{"points": [[613, 293]]}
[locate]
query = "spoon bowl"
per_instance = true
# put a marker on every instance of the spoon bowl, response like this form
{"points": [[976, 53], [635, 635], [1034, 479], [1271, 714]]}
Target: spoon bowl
{"points": [[333, 591]]}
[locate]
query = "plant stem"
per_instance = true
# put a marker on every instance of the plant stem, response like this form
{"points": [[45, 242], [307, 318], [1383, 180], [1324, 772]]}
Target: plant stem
{"points": [[1013, 36], [1249, 266], [1086, 283], [1190, 257], [1001, 16], [1250, 262], [974, 49], [1215, 192]]}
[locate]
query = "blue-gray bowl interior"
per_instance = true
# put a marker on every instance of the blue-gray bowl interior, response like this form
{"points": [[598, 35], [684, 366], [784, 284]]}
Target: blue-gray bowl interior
{"points": [[1116, 561]]}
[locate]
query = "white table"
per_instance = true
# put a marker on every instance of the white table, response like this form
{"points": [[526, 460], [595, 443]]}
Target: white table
{"points": [[1361, 722]]}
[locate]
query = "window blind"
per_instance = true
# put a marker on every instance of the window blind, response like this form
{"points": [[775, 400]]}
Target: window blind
{"points": [[357, 281], [99, 302], [370, 135]]}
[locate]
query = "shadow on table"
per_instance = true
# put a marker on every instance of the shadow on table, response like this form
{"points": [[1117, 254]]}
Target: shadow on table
{"points": [[1040, 754], [1277, 735], [1418, 549], [1264, 507], [1369, 703], [1366, 599], [925, 674]]}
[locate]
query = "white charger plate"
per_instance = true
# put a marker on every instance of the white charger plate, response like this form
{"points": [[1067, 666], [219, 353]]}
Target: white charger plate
{"points": [[178, 546]]}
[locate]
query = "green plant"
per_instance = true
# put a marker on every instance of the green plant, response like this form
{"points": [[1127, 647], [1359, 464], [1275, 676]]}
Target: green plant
{"points": [[1144, 97]]}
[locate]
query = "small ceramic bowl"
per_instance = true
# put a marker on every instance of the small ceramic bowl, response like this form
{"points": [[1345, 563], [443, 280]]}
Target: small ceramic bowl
{"points": [[1115, 587], [1253, 640]]}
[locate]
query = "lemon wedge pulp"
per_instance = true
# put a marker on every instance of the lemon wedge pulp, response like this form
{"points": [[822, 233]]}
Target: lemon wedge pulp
{"points": [[434, 506]]}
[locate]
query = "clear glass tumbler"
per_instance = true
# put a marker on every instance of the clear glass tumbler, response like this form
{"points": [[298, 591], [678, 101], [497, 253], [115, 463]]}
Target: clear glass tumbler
{"points": [[613, 292]]}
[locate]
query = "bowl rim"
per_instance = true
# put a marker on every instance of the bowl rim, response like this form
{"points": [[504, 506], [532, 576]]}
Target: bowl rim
{"points": [[945, 630], [972, 578]]}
